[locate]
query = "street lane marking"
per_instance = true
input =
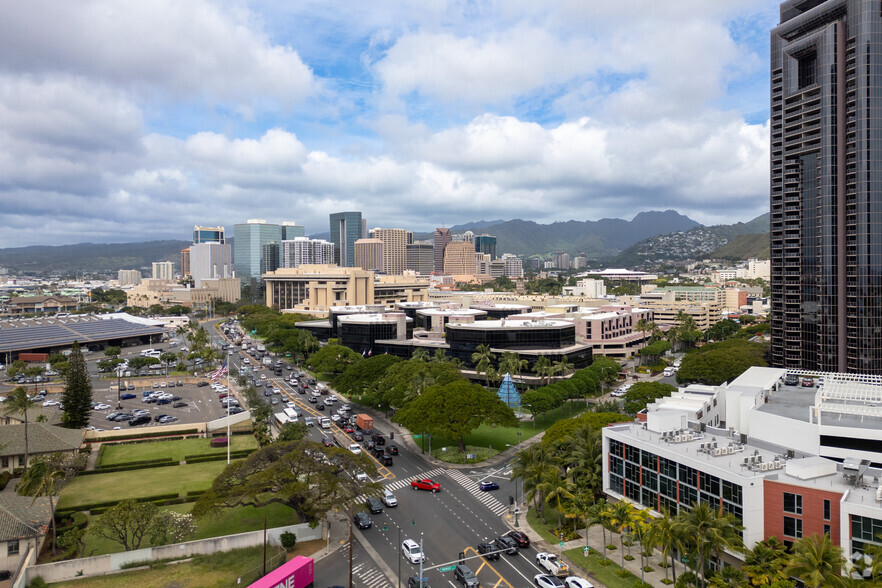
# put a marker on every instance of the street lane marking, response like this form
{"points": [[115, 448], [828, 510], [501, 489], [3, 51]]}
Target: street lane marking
{"points": [[484, 562]]}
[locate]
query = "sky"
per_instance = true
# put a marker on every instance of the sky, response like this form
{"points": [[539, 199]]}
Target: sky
{"points": [[125, 121]]}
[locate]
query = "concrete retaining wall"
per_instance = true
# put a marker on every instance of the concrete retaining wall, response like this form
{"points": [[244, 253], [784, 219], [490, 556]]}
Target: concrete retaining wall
{"points": [[104, 564]]}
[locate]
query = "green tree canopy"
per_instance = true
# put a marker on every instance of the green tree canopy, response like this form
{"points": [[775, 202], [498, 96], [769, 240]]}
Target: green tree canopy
{"points": [[362, 375], [716, 363], [406, 380], [568, 427], [332, 359], [642, 393], [722, 330], [128, 523], [454, 410]]}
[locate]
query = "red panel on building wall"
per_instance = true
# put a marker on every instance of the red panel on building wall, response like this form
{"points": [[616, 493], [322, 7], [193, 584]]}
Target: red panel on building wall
{"points": [[812, 510]]}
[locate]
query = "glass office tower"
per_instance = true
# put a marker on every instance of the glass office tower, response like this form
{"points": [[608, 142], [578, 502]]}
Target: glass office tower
{"points": [[346, 229], [826, 183], [248, 247]]}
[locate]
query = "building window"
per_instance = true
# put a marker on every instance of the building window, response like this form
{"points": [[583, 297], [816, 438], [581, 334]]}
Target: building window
{"points": [[793, 527], [5, 462], [827, 530], [21, 461], [793, 503], [826, 510], [807, 67], [12, 548]]}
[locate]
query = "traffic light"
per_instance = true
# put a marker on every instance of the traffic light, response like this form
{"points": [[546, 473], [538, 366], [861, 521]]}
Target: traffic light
{"points": [[510, 499], [461, 557]]}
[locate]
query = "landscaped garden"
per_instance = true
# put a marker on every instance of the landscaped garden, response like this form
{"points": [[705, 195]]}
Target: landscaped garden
{"points": [[116, 454]]}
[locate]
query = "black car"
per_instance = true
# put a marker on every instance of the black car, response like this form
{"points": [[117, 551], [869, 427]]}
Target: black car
{"points": [[791, 380], [414, 582], [202, 384], [123, 417], [369, 445], [391, 450], [379, 439], [159, 416], [378, 451], [164, 401], [179, 404], [175, 398], [520, 538], [507, 544], [488, 551], [362, 520], [236, 410], [320, 407], [374, 505], [386, 460], [358, 436], [141, 420]]}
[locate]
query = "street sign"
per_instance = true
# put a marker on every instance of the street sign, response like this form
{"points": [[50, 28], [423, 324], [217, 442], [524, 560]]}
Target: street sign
{"points": [[561, 543], [585, 551], [446, 569]]}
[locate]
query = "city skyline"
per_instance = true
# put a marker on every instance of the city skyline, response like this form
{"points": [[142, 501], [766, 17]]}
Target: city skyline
{"points": [[119, 121]]}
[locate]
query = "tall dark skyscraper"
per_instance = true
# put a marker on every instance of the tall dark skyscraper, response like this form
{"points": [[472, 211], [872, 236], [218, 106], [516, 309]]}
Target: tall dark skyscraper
{"points": [[826, 186], [441, 239], [486, 244], [346, 229]]}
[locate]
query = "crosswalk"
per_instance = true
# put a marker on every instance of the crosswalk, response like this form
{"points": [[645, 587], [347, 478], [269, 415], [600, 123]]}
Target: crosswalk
{"points": [[366, 572], [485, 498]]}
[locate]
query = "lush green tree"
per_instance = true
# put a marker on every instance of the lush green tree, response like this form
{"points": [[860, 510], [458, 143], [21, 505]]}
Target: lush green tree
{"points": [[568, 427], [747, 319], [18, 403], [48, 476], [421, 354], [511, 363], [558, 492], [583, 460], [76, 399], [716, 363], [728, 577], [128, 523], [539, 401], [292, 432], [722, 330], [642, 393], [112, 351], [816, 561], [543, 369], [453, 410], [535, 466], [561, 366], [18, 367], [303, 475], [406, 380], [606, 369], [623, 515], [652, 352], [644, 326], [483, 358], [765, 563], [360, 376], [332, 359], [665, 532]]}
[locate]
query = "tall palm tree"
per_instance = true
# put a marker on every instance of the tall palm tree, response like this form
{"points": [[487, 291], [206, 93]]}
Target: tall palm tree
{"points": [[558, 491], [875, 552], [543, 369], [535, 466], [816, 561], [765, 563], [421, 354], [512, 363], [710, 532], [622, 517], [18, 403], [483, 355], [440, 356], [729, 577], [641, 528], [664, 531], [562, 366], [582, 507], [584, 459]]}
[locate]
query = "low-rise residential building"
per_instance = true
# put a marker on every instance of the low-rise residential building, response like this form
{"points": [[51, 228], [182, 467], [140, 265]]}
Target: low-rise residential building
{"points": [[43, 440], [18, 305], [24, 524]]}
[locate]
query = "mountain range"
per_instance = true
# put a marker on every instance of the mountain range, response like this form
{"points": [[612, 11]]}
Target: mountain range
{"points": [[650, 237]]}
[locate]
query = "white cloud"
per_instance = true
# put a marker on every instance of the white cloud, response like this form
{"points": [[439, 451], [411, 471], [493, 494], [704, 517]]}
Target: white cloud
{"points": [[184, 50]]}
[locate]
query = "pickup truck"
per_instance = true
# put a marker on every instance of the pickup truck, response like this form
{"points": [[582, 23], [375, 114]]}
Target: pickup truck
{"points": [[552, 564]]}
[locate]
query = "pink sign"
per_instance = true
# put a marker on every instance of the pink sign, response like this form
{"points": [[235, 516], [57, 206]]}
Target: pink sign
{"points": [[297, 573]]}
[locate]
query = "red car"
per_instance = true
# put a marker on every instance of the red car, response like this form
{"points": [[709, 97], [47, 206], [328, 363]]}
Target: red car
{"points": [[347, 429], [520, 538], [426, 485]]}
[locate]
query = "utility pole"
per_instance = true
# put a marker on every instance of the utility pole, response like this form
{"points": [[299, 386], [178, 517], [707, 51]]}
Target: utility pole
{"points": [[350, 547]]}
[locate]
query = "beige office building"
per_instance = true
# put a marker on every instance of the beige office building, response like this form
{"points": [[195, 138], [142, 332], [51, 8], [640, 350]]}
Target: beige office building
{"points": [[128, 277], [395, 242], [459, 259], [170, 293], [163, 270], [369, 255], [319, 287]]}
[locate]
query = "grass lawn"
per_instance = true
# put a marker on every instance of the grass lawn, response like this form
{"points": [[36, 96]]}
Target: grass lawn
{"points": [[208, 571], [500, 437], [607, 574], [138, 483], [226, 522], [177, 449]]}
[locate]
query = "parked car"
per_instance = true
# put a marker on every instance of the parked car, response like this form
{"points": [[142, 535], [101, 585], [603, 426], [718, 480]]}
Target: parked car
{"points": [[140, 420], [808, 382], [201, 384], [168, 420], [100, 406], [126, 396], [159, 416], [179, 404]]}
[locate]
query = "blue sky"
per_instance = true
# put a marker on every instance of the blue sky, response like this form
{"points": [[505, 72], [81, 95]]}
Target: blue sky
{"points": [[125, 121]]}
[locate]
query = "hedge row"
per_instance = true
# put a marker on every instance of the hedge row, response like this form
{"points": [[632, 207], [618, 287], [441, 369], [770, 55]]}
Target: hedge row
{"points": [[161, 436], [165, 502], [78, 521], [132, 463], [109, 503], [128, 468], [224, 454], [219, 457]]}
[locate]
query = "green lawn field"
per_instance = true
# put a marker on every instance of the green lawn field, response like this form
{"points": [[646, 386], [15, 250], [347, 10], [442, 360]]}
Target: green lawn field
{"points": [[177, 450], [137, 483]]}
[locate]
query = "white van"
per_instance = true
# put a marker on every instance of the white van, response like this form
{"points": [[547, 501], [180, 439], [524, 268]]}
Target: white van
{"points": [[325, 422], [411, 550], [669, 371]]}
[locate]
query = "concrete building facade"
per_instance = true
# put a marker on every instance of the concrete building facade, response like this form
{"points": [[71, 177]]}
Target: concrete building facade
{"points": [[163, 270], [370, 255], [395, 242], [128, 277]]}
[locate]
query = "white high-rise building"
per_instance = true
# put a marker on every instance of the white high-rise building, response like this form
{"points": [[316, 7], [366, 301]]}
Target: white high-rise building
{"points": [[514, 268], [209, 261], [304, 251], [163, 270], [128, 277]]}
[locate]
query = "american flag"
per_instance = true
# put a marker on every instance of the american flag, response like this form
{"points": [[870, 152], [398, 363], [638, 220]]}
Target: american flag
{"points": [[219, 373]]}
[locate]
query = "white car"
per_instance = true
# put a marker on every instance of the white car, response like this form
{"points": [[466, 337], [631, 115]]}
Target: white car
{"points": [[51, 403], [355, 448], [335, 418], [577, 582], [101, 406], [330, 398], [361, 477], [389, 499], [547, 581], [412, 552], [290, 404]]}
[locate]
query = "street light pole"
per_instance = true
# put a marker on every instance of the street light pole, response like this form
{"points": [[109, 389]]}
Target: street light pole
{"points": [[517, 499], [118, 399], [399, 557], [421, 558]]}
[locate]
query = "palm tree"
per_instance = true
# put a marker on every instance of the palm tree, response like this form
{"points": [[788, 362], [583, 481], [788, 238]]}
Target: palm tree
{"points": [[421, 354], [816, 561], [483, 358], [493, 376], [765, 563], [535, 466], [875, 552], [622, 517], [641, 528], [584, 459], [582, 507], [543, 369], [664, 531], [728, 577], [562, 366], [710, 532], [48, 476], [18, 403], [604, 515], [440, 356], [557, 492], [512, 363]]}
